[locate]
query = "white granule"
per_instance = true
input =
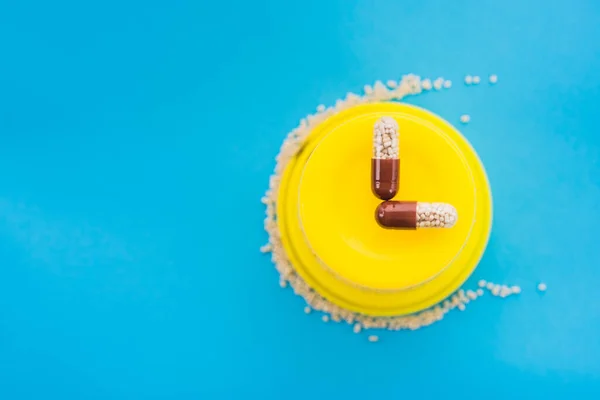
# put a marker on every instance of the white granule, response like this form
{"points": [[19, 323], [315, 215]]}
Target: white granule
{"points": [[266, 248], [468, 79], [373, 338], [499, 290], [465, 118], [321, 108], [493, 78], [542, 287], [476, 80], [447, 84], [438, 83], [380, 91], [481, 283], [392, 84], [426, 84]]}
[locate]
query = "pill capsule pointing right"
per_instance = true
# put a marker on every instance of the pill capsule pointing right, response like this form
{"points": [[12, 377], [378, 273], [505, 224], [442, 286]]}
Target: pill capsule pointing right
{"points": [[415, 215], [385, 162]]}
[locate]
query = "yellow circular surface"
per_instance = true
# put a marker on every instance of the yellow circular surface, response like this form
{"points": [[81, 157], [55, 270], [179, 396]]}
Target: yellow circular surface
{"points": [[326, 212], [337, 207]]}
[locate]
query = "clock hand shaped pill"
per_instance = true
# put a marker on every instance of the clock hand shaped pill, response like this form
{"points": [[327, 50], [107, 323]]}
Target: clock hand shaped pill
{"points": [[385, 164], [415, 215]]}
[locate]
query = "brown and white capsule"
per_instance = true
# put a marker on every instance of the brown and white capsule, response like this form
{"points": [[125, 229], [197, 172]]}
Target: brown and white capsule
{"points": [[385, 164], [415, 215]]}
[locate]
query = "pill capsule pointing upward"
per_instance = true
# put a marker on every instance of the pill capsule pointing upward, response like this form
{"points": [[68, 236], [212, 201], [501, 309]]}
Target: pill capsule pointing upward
{"points": [[415, 215], [385, 164]]}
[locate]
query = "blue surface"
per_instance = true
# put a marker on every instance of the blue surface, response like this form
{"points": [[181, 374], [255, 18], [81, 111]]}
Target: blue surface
{"points": [[137, 137]]}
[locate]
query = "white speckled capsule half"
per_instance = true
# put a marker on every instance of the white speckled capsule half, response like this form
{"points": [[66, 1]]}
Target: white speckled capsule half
{"points": [[386, 139], [385, 162]]}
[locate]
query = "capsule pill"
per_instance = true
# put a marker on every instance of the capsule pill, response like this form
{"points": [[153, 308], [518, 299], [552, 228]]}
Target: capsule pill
{"points": [[385, 164], [415, 215]]}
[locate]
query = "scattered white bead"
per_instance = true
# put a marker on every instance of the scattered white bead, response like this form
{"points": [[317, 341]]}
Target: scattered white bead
{"points": [[468, 79], [307, 310], [516, 289], [476, 80], [321, 108], [465, 118], [542, 287], [493, 78], [447, 84], [426, 84], [325, 318], [438, 83], [481, 283], [505, 291], [479, 292], [373, 338], [391, 83], [266, 248], [357, 328]]}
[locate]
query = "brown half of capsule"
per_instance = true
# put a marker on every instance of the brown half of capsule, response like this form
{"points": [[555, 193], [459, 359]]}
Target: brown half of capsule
{"points": [[397, 214], [384, 177]]}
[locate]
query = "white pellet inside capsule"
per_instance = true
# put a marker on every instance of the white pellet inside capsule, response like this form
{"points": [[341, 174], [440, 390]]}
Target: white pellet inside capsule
{"points": [[436, 215], [386, 141]]}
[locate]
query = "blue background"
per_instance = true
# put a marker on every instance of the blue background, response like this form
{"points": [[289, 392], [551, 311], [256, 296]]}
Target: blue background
{"points": [[137, 137]]}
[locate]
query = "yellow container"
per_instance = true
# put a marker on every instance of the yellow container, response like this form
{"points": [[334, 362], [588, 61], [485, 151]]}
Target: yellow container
{"points": [[326, 212]]}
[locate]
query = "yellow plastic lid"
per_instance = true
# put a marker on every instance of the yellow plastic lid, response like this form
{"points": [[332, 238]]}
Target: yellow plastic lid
{"points": [[326, 212]]}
